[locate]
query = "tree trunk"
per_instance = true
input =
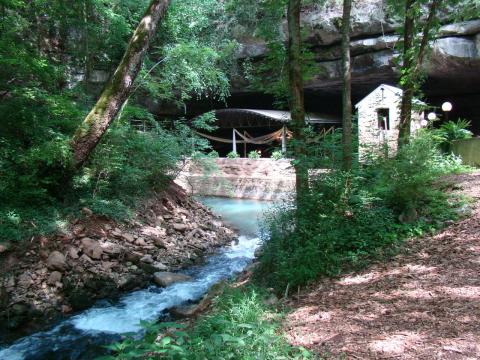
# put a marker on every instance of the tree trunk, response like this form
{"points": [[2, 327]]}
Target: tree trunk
{"points": [[118, 88], [86, 45], [412, 65], [347, 88], [296, 98], [407, 85]]}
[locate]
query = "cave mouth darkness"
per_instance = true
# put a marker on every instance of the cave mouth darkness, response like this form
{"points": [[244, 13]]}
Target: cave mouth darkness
{"points": [[239, 111]]}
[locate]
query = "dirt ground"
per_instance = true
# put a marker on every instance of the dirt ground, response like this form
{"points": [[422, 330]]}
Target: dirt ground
{"points": [[424, 304]]}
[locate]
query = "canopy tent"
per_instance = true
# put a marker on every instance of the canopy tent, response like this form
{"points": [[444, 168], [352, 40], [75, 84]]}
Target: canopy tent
{"points": [[249, 118], [230, 121]]}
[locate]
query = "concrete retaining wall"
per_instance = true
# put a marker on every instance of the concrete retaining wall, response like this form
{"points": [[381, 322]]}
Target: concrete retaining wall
{"points": [[262, 179], [468, 150]]}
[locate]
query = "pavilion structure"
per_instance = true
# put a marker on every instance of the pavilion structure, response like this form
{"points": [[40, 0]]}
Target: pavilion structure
{"points": [[262, 130]]}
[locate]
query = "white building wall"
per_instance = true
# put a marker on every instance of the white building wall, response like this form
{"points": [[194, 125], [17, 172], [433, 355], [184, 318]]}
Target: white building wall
{"points": [[371, 137]]}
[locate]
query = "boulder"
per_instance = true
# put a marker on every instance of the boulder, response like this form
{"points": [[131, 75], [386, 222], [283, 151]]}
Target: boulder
{"points": [[161, 242], [165, 279], [457, 47], [140, 242], [57, 261], [461, 28], [160, 266], [73, 252], [180, 227], [92, 248], [86, 259], [55, 277], [128, 237], [134, 256], [150, 231], [112, 248], [117, 232], [147, 259], [182, 312]]}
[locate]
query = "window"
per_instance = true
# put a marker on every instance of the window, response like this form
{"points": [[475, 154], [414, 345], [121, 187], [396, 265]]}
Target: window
{"points": [[383, 116]]}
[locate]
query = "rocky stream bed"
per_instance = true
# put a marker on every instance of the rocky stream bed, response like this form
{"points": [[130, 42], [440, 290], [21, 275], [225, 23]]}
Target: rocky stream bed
{"points": [[51, 278]]}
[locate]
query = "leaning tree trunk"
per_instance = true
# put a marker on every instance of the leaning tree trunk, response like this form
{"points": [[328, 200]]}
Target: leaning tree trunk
{"points": [[297, 105], [347, 140], [118, 88]]}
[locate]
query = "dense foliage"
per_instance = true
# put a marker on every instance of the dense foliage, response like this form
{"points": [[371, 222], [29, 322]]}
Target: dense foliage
{"points": [[54, 58], [348, 219], [240, 327], [450, 131]]}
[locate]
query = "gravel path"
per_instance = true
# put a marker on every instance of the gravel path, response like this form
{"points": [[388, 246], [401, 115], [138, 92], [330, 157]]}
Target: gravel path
{"points": [[422, 305]]}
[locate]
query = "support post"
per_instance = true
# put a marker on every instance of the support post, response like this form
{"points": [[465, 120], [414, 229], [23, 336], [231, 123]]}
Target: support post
{"points": [[245, 144], [284, 140], [234, 149]]}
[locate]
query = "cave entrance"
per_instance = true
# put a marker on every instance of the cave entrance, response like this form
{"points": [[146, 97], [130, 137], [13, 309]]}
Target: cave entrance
{"points": [[262, 131]]}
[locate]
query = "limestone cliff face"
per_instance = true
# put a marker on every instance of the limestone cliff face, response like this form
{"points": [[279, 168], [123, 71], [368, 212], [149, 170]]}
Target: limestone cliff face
{"points": [[455, 56]]}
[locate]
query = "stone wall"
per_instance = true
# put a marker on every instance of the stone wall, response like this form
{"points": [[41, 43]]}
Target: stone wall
{"points": [[371, 136], [468, 150], [262, 179]]}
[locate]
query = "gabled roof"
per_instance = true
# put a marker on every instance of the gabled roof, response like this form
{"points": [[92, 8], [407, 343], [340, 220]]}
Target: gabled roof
{"points": [[387, 88]]}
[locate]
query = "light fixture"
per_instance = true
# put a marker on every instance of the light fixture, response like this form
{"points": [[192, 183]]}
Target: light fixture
{"points": [[432, 116], [447, 106]]}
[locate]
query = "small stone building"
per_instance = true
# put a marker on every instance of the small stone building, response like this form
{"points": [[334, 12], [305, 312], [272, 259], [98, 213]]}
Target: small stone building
{"points": [[379, 118]]}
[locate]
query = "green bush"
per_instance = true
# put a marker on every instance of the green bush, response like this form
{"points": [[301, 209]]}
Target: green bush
{"points": [[277, 155], [405, 182], [39, 188], [339, 226], [450, 131], [233, 155], [348, 219], [254, 154], [213, 154], [240, 327]]}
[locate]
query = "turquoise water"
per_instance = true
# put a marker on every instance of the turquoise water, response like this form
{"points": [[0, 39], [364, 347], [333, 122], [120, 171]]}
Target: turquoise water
{"points": [[244, 215], [83, 335]]}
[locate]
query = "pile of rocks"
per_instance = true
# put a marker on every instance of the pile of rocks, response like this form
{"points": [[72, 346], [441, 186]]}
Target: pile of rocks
{"points": [[98, 258]]}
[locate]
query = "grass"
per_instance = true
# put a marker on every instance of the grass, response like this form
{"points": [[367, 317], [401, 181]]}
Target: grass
{"points": [[240, 327]]}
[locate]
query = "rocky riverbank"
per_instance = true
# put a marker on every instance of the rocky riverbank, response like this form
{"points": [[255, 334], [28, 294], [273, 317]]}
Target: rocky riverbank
{"points": [[97, 258]]}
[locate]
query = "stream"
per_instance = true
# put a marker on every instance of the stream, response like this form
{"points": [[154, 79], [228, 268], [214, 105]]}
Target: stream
{"points": [[84, 335]]}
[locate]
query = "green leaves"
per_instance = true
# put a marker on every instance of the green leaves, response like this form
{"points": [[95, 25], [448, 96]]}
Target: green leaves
{"points": [[239, 327], [348, 219], [450, 131]]}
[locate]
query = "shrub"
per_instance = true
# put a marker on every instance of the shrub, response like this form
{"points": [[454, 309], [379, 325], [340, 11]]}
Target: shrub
{"points": [[240, 327], [277, 155], [348, 219], [213, 154], [36, 183], [339, 226], [233, 155], [451, 131], [405, 182], [254, 154]]}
